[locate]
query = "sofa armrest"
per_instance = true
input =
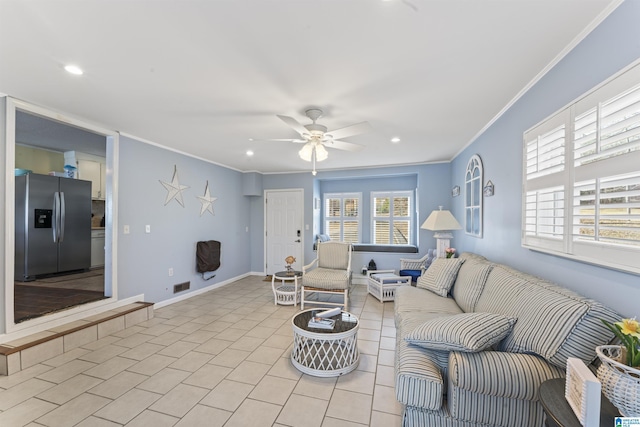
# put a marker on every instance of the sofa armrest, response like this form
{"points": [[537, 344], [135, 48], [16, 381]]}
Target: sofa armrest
{"points": [[511, 375]]}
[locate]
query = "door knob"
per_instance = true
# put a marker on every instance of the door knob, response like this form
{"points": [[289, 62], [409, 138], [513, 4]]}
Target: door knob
{"points": [[297, 241]]}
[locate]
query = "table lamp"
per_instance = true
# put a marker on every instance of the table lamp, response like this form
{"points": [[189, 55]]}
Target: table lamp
{"points": [[441, 222]]}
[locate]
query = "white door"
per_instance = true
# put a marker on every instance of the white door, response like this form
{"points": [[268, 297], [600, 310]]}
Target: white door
{"points": [[284, 219]]}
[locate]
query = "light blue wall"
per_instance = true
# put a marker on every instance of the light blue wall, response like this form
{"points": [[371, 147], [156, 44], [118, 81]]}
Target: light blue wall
{"points": [[433, 186], [609, 48], [365, 186], [144, 259]]}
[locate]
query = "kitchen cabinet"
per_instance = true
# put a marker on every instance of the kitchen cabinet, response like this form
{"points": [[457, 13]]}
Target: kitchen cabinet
{"points": [[94, 171], [97, 248]]}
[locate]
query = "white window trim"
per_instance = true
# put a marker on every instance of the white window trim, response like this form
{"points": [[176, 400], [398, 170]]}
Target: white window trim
{"points": [[391, 217], [342, 218], [568, 176], [470, 204]]}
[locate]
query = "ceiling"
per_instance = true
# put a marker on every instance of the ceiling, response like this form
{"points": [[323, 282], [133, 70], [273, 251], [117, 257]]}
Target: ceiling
{"points": [[206, 76]]}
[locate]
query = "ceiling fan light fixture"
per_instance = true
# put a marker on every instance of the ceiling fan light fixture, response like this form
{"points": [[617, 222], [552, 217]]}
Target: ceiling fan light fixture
{"points": [[306, 152], [321, 153]]}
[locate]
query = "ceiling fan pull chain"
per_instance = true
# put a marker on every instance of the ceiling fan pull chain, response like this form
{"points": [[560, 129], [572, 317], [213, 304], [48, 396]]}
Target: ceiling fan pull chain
{"points": [[313, 158]]}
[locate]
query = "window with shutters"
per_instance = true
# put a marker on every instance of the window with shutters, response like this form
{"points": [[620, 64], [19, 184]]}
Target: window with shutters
{"points": [[342, 216], [391, 217], [582, 178]]}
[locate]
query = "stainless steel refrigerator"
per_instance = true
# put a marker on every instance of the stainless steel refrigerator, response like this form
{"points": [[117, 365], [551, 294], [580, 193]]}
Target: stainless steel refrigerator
{"points": [[52, 225]]}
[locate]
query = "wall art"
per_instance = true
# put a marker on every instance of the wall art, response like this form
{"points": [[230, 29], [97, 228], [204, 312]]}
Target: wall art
{"points": [[207, 201], [174, 189], [488, 189]]}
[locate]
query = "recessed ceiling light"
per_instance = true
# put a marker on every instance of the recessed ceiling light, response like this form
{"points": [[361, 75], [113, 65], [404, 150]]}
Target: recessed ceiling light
{"points": [[74, 69], [249, 153], [395, 139]]}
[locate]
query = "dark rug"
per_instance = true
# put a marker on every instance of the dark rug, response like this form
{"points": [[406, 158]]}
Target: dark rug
{"points": [[36, 301]]}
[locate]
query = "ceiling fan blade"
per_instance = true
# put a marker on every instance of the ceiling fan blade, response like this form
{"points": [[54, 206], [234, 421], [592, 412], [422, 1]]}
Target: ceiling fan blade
{"points": [[345, 132], [294, 124], [279, 140], [343, 145]]}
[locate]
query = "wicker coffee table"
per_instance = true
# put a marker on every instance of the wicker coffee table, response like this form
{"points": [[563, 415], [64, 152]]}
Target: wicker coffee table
{"points": [[325, 352]]}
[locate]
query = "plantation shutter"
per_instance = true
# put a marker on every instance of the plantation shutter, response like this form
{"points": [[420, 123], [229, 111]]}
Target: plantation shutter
{"points": [[581, 178]]}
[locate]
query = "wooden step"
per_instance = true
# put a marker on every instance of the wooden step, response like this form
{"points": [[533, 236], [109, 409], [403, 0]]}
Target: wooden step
{"points": [[30, 350]]}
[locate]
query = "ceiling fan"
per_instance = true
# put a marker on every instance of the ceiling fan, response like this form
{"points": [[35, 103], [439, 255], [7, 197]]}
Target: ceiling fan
{"points": [[316, 137]]}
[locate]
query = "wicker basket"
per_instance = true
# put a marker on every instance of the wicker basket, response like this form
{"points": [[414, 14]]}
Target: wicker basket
{"points": [[620, 383]]}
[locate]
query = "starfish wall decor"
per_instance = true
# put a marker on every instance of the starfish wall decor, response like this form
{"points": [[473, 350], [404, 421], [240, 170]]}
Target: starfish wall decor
{"points": [[207, 201], [174, 189]]}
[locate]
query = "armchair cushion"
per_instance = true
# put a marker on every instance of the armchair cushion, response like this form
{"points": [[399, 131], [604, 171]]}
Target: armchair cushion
{"points": [[336, 255], [439, 278], [467, 332], [327, 278]]}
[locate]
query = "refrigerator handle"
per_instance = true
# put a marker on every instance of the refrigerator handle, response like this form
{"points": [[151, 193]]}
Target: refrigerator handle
{"points": [[56, 215], [62, 216]]}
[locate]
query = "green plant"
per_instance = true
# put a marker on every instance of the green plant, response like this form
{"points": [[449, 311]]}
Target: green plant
{"points": [[628, 331]]}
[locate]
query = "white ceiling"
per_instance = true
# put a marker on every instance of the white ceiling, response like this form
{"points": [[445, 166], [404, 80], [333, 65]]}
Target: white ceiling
{"points": [[206, 76]]}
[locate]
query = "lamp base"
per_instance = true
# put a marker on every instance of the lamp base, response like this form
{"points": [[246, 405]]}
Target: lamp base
{"points": [[443, 242]]}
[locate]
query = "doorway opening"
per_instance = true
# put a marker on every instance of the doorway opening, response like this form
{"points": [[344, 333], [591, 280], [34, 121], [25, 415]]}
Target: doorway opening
{"points": [[46, 150]]}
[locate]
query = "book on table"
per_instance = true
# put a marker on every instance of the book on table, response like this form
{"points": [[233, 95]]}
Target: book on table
{"points": [[321, 323]]}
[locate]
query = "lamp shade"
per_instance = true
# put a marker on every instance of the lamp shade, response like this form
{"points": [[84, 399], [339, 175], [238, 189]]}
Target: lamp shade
{"points": [[306, 151], [321, 153], [441, 220]]}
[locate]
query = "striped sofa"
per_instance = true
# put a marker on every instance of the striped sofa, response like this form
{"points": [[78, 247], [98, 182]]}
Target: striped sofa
{"points": [[476, 354]]}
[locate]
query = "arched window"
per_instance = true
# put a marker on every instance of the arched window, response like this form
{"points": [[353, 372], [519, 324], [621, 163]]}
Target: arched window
{"points": [[473, 196]]}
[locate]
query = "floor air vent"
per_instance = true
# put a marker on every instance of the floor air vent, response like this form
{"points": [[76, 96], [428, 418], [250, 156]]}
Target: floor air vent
{"points": [[181, 287]]}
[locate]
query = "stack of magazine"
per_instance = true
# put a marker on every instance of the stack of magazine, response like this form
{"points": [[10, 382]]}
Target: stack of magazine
{"points": [[321, 323]]}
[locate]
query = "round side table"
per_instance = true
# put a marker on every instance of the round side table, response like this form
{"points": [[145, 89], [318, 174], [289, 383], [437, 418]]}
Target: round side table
{"points": [[285, 293], [560, 414], [325, 352]]}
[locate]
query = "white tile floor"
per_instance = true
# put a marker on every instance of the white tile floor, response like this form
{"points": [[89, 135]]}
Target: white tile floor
{"points": [[218, 359]]}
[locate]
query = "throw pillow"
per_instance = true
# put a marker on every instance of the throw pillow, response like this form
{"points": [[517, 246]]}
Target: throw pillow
{"points": [[440, 276], [468, 332]]}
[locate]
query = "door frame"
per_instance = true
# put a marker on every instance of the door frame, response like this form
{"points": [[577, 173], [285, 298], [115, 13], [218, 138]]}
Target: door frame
{"points": [[8, 325], [264, 226]]}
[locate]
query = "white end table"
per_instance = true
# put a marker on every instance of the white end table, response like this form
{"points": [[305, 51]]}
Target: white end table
{"points": [[285, 293], [382, 284]]}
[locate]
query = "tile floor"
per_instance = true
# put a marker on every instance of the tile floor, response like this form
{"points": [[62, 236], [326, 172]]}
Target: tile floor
{"points": [[218, 359]]}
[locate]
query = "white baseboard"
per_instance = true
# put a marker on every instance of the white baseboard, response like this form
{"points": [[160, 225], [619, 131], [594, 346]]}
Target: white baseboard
{"points": [[200, 291]]}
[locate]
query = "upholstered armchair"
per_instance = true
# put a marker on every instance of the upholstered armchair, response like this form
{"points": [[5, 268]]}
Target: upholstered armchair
{"points": [[328, 274], [415, 267]]}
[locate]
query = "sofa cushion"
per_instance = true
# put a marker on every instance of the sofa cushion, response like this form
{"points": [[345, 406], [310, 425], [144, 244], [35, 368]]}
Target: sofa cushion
{"points": [[553, 322], [411, 301], [440, 276], [468, 332], [470, 281]]}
